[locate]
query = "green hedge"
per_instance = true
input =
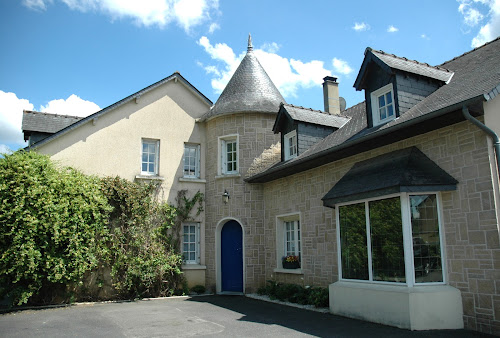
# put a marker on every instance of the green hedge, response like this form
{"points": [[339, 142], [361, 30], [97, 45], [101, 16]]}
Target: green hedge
{"points": [[317, 296], [58, 226]]}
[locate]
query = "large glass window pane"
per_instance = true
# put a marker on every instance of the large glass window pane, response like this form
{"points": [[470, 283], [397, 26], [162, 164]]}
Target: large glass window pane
{"points": [[426, 244], [354, 254], [388, 262]]}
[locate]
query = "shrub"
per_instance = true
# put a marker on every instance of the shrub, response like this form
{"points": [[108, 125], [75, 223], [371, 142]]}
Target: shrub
{"points": [[52, 226], [199, 289], [317, 296], [144, 262]]}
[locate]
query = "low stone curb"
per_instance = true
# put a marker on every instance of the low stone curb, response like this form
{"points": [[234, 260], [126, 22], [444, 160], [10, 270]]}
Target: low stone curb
{"points": [[305, 307]]}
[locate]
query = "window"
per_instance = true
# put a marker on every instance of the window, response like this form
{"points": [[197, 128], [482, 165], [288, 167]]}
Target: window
{"points": [[192, 160], [292, 238], [372, 245], [290, 141], [150, 153], [383, 109], [229, 154], [191, 243], [288, 240]]}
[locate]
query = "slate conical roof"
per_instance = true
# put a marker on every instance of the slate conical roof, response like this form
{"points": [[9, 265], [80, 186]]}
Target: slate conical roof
{"points": [[249, 90]]}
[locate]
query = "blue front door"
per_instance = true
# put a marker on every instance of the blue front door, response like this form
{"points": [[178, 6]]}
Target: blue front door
{"points": [[232, 257]]}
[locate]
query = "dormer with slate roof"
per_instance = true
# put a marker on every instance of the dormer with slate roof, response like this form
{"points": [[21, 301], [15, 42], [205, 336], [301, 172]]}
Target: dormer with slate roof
{"points": [[300, 128], [394, 85]]}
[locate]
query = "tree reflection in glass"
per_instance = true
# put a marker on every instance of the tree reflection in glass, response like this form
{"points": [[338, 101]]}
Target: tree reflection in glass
{"points": [[353, 241]]}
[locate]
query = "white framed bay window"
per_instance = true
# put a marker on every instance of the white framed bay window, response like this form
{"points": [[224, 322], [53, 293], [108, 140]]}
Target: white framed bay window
{"points": [[395, 239]]}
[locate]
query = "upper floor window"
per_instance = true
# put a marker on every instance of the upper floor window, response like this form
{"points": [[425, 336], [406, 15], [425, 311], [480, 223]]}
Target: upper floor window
{"points": [[290, 147], [383, 108], [396, 239], [229, 154], [192, 160], [150, 155]]}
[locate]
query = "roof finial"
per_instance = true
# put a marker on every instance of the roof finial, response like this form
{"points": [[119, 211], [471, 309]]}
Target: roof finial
{"points": [[250, 47]]}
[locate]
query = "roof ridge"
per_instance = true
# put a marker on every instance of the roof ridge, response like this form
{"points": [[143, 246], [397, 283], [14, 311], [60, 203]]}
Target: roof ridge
{"points": [[438, 67], [306, 108], [472, 50], [45, 113]]}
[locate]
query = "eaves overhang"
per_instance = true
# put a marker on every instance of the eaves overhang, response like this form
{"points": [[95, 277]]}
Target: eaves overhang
{"points": [[431, 121]]}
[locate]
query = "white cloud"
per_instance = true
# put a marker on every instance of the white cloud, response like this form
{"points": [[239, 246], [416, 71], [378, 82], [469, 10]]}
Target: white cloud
{"points": [[38, 5], [476, 11], [361, 26], [272, 47], [392, 29], [186, 13], [341, 66], [73, 105], [11, 116], [287, 74], [213, 27]]}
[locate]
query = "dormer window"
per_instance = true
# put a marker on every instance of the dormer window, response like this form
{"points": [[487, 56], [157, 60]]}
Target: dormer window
{"points": [[383, 109], [290, 147]]}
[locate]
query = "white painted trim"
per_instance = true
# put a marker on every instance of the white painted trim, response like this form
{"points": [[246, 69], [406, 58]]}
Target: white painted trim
{"points": [[374, 104], [280, 238], [218, 273], [286, 147], [221, 154]]}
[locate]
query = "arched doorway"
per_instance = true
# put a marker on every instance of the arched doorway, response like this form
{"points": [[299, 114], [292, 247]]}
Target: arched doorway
{"points": [[231, 239]]}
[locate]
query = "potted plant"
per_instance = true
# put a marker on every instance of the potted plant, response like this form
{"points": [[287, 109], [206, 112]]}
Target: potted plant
{"points": [[290, 262]]}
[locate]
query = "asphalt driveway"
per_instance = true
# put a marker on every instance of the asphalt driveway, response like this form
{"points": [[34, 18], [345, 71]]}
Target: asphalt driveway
{"points": [[219, 316]]}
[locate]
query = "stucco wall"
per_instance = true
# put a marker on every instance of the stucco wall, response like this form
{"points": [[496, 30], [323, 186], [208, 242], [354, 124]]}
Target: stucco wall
{"points": [[469, 220], [112, 146], [246, 202]]}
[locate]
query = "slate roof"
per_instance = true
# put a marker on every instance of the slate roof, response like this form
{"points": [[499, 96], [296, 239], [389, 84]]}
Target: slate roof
{"points": [[176, 76], [249, 90], [476, 77], [34, 121], [414, 67], [405, 170], [312, 116]]}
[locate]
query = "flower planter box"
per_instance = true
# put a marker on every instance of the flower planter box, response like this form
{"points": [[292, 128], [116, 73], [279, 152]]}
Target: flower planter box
{"points": [[291, 265]]}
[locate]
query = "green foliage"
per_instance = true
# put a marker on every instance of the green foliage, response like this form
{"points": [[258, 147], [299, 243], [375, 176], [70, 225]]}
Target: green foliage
{"points": [[317, 296], [143, 261], [52, 226], [199, 289]]}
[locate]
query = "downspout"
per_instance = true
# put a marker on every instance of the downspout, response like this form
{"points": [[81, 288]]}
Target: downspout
{"points": [[491, 133]]}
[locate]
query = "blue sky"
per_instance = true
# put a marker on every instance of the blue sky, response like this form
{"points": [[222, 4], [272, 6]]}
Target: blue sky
{"points": [[78, 56]]}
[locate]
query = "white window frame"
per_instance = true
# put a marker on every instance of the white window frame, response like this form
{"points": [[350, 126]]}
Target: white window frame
{"points": [[223, 141], [290, 145], [156, 143], [281, 239], [196, 242], [375, 108], [407, 240], [197, 163]]}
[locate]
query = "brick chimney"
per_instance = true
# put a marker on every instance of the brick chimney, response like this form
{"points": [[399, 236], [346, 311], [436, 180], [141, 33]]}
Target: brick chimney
{"points": [[331, 95]]}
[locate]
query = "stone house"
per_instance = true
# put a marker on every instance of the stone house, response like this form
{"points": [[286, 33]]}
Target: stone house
{"points": [[392, 203]]}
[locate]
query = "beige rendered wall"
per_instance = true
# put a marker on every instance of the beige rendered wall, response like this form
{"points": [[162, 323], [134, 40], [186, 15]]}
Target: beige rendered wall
{"points": [[246, 202], [112, 146], [469, 220]]}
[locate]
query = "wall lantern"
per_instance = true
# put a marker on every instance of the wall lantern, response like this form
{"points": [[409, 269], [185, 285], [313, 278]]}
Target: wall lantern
{"points": [[225, 197]]}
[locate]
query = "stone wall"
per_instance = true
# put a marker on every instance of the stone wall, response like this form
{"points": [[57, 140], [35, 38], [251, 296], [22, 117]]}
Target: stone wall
{"points": [[246, 201], [469, 220]]}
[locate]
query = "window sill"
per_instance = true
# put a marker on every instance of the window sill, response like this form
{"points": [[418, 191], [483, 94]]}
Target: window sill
{"points": [[290, 271], [227, 176], [193, 267], [193, 180], [149, 177]]}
